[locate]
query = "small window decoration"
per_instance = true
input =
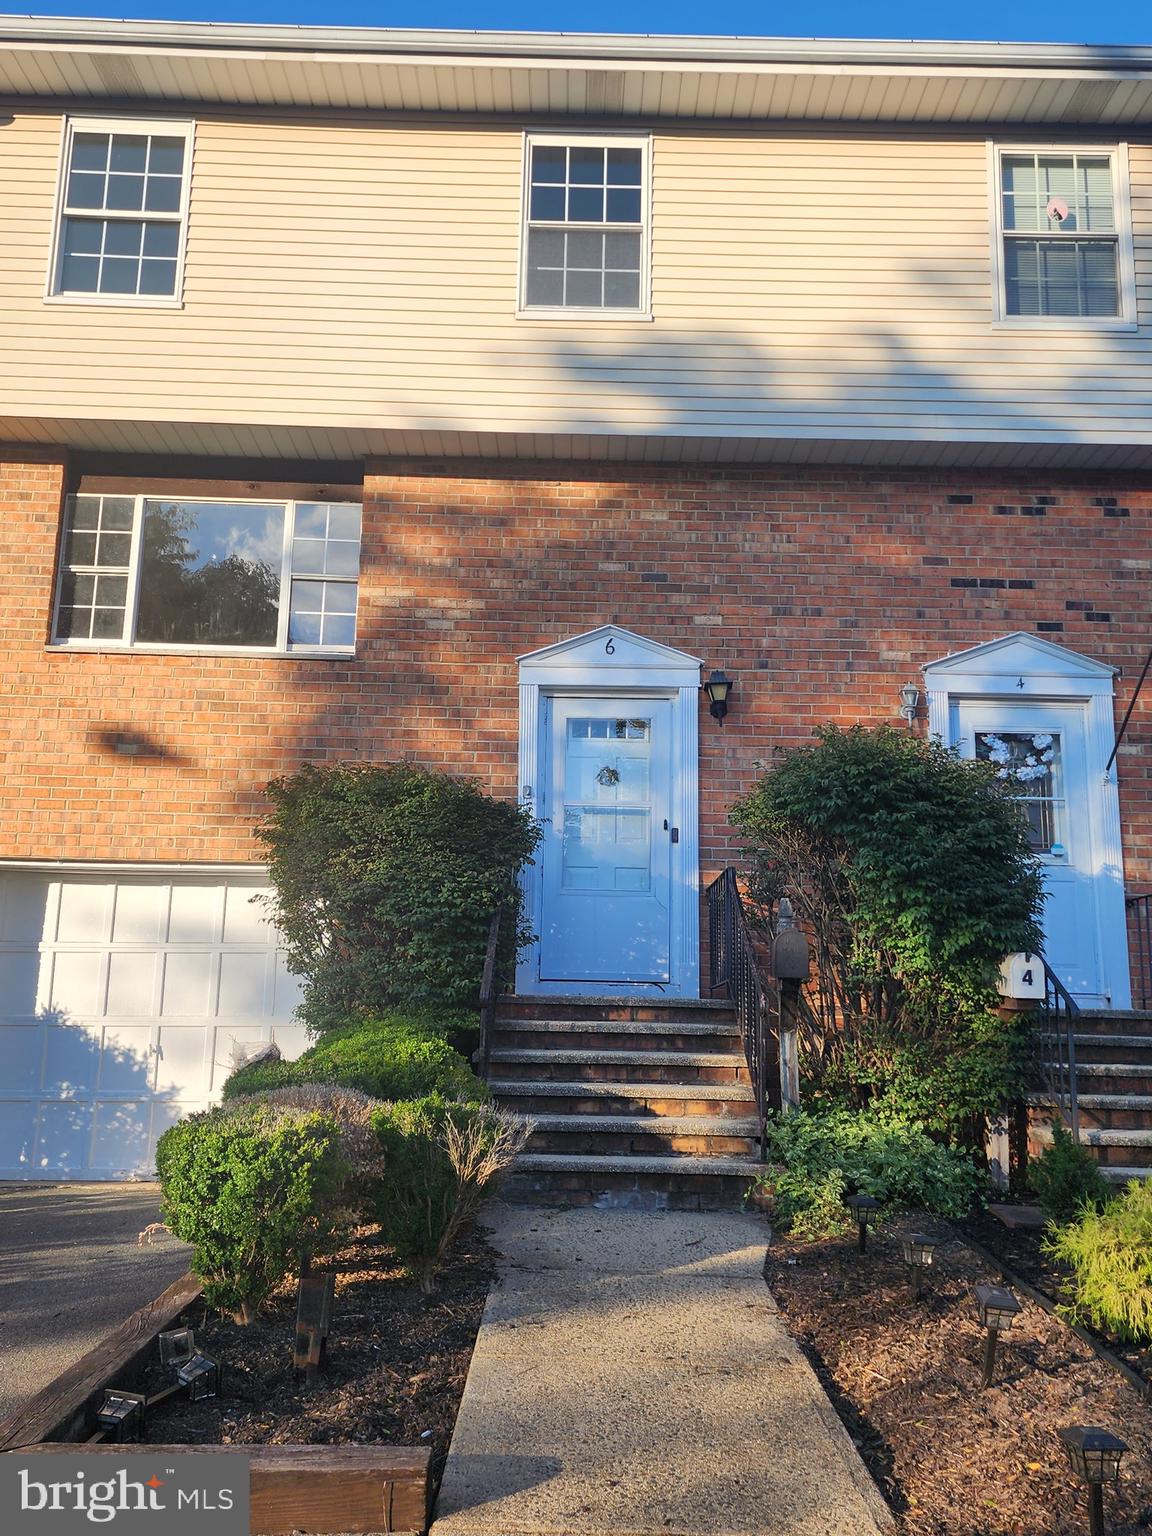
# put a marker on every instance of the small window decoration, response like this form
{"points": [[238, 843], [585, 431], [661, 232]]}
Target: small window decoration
{"points": [[608, 777], [1024, 760], [1029, 765]]}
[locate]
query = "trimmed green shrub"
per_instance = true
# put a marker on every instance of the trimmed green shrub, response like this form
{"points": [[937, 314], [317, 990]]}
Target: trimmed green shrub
{"points": [[1066, 1177], [442, 1158], [910, 870], [254, 1188], [385, 878], [395, 1057], [816, 1160], [1110, 1252]]}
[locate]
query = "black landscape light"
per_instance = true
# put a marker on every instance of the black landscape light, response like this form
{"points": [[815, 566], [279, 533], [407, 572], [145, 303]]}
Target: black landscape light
{"points": [[860, 1206], [1094, 1456], [718, 687], [177, 1345], [121, 1415], [995, 1308], [201, 1376], [919, 1255]]}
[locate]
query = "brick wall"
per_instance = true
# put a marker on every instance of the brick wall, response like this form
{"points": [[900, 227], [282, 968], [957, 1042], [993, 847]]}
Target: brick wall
{"points": [[821, 591]]}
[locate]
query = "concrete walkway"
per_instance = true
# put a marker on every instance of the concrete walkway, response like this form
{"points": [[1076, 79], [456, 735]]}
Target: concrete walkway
{"points": [[71, 1272], [632, 1377]]}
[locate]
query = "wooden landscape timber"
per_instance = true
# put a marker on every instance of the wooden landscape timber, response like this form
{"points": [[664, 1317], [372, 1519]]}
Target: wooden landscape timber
{"points": [[324, 1490]]}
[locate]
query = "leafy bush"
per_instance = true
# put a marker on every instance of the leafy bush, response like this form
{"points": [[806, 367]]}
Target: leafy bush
{"points": [[349, 1110], [254, 1188], [1066, 1177], [395, 1057], [1110, 1252], [816, 1160], [910, 870], [441, 1160], [385, 878]]}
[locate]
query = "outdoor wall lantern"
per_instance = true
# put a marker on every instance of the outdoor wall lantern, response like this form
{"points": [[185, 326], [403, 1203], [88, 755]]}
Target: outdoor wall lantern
{"points": [[995, 1308], [121, 1416], [860, 1205], [909, 702], [1094, 1456], [919, 1254], [718, 687]]}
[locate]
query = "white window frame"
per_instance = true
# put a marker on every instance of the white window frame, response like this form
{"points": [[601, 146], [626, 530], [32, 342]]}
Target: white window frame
{"points": [[1117, 154], [640, 141], [166, 127], [282, 647]]}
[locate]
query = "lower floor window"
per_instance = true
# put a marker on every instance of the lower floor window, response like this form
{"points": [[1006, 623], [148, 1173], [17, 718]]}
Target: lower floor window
{"points": [[172, 572]]}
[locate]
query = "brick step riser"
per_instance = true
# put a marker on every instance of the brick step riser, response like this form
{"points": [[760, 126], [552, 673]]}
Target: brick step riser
{"points": [[530, 1103], [1106, 1119], [642, 1144], [627, 1191], [608, 1039], [1086, 1024], [636, 1013], [608, 1072], [1126, 1055]]}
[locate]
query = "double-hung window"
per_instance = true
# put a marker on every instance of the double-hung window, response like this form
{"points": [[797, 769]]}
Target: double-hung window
{"points": [[1063, 242], [165, 572], [122, 211], [585, 248]]}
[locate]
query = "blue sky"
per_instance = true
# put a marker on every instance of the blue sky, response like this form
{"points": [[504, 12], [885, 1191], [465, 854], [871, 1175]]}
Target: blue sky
{"points": [[1072, 21]]}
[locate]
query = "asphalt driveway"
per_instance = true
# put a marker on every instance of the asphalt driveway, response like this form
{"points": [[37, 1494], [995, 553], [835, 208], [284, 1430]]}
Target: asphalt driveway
{"points": [[71, 1271]]}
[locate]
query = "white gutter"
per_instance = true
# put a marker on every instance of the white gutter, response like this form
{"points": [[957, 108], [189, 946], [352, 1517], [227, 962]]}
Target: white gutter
{"points": [[573, 47]]}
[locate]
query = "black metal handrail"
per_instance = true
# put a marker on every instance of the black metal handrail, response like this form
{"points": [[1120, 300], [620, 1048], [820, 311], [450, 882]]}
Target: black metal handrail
{"points": [[1139, 913], [732, 964], [1060, 1014], [488, 995]]}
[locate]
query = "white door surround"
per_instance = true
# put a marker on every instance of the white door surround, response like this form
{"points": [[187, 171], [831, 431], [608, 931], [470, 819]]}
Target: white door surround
{"points": [[1029, 683], [610, 666]]}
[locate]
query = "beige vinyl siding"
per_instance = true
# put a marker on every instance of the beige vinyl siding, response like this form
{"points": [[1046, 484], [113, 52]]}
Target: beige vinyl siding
{"points": [[363, 275]]}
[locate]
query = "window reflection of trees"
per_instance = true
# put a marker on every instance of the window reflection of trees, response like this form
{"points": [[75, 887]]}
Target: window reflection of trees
{"points": [[229, 601]]}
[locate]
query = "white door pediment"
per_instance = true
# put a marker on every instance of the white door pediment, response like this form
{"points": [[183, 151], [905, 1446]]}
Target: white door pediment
{"points": [[1020, 655], [610, 656]]}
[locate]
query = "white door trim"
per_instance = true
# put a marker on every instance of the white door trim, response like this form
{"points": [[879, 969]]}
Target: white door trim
{"points": [[605, 663], [1021, 666]]}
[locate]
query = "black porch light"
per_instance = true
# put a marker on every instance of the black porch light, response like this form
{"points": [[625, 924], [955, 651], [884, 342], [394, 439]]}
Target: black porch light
{"points": [[718, 687], [995, 1307], [919, 1255], [1094, 1456], [201, 1376], [121, 1416], [860, 1205]]}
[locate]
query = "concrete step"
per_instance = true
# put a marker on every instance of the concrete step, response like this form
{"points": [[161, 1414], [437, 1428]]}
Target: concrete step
{"points": [[1124, 1148], [711, 1167], [1113, 1077], [1118, 1175], [1113, 1021], [1108, 1111], [592, 1034], [549, 1064], [639, 1135], [657, 1100], [630, 1183], [650, 1009]]}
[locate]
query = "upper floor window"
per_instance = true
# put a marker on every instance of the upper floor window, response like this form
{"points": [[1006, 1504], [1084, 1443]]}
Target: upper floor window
{"points": [[165, 572], [1063, 235], [585, 226], [122, 211]]}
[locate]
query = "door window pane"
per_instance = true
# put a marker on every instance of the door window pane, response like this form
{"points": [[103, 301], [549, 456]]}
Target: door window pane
{"points": [[1031, 767]]}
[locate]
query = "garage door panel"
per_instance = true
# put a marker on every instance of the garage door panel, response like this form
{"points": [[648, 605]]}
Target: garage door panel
{"points": [[20, 980], [17, 1136], [75, 988], [125, 1059], [22, 1055], [132, 984], [196, 914], [125, 1003], [141, 914], [187, 984], [71, 1059], [63, 1144], [84, 913]]}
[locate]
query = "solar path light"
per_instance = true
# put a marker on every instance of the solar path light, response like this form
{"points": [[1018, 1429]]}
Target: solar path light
{"points": [[995, 1307], [860, 1206], [1094, 1456], [919, 1255]]}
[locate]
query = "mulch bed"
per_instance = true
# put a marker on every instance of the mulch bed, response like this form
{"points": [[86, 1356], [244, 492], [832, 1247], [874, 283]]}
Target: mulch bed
{"points": [[905, 1377], [395, 1370]]}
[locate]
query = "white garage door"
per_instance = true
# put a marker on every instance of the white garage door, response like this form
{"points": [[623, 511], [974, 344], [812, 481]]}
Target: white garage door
{"points": [[125, 1001]]}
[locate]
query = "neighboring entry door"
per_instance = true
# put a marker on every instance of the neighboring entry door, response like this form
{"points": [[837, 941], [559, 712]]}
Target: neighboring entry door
{"points": [[1040, 750], [606, 858]]}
